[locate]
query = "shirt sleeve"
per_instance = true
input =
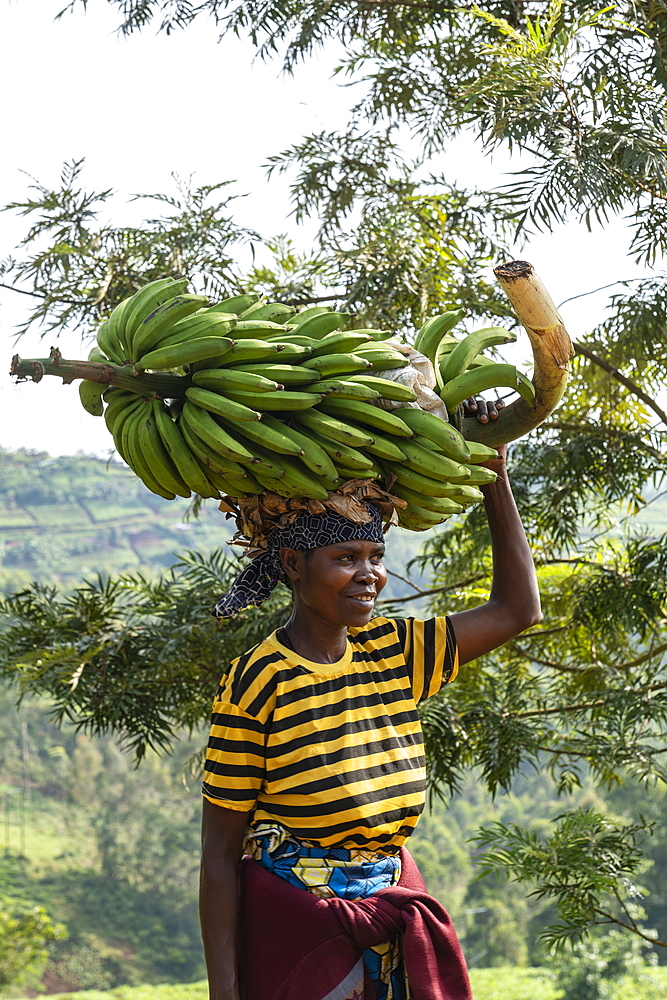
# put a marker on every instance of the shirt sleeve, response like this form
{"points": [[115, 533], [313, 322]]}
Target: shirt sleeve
{"points": [[431, 654], [235, 755]]}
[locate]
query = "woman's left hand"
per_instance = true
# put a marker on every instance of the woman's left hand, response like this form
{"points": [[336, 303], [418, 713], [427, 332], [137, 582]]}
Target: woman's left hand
{"points": [[483, 409]]}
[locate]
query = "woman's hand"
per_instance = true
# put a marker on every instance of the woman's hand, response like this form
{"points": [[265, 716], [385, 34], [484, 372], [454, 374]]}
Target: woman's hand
{"points": [[483, 409]]}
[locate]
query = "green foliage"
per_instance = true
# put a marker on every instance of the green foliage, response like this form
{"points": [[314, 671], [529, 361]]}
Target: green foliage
{"points": [[83, 268], [22, 942], [579, 90], [132, 656], [591, 970]]}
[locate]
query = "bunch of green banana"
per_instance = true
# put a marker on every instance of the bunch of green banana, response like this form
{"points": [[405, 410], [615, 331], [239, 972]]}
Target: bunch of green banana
{"points": [[284, 401]]}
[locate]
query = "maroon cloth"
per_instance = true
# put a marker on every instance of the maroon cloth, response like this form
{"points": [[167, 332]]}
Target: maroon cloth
{"points": [[295, 946]]}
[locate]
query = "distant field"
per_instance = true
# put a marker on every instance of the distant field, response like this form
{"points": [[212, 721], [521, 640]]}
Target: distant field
{"points": [[487, 984]]}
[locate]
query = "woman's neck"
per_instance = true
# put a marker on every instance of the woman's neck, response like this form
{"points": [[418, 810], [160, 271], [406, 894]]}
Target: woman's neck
{"points": [[314, 637]]}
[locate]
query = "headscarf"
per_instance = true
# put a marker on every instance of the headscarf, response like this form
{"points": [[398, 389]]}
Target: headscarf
{"points": [[256, 582]]}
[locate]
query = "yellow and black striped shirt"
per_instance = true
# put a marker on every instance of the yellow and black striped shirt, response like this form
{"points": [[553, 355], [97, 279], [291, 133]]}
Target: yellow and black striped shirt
{"points": [[331, 751]]}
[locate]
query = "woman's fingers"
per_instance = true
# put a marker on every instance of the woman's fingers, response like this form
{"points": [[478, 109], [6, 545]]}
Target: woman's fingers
{"points": [[483, 409]]}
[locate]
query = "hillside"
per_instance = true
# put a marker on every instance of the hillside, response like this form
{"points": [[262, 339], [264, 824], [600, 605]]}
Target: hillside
{"points": [[64, 519]]}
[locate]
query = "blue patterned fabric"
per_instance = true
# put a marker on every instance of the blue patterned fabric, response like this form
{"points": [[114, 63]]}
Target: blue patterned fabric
{"points": [[256, 582], [336, 871]]}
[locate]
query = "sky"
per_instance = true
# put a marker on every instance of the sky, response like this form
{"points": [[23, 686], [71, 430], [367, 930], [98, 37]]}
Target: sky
{"points": [[141, 108]]}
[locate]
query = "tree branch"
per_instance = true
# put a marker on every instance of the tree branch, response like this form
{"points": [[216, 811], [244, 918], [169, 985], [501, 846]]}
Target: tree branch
{"points": [[435, 590], [608, 918], [21, 291], [623, 379]]}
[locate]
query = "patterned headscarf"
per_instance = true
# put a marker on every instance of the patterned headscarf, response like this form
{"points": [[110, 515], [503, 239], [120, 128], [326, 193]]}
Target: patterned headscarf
{"points": [[256, 582]]}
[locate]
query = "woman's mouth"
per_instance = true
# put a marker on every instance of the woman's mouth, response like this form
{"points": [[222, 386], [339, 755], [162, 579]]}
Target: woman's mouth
{"points": [[367, 599]]}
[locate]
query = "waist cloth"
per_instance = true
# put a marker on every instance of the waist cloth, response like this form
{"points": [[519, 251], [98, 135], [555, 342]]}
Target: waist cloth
{"points": [[364, 929]]}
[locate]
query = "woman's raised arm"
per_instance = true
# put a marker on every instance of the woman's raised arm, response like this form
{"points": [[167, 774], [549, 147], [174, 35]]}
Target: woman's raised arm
{"points": [[514, 602]]}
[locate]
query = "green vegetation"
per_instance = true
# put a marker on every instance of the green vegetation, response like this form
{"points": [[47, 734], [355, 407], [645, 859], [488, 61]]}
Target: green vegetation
{"points": [[582, 699]]}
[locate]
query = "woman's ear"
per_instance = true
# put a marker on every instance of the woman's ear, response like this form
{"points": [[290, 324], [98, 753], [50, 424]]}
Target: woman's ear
{"points": [[290, 560]]}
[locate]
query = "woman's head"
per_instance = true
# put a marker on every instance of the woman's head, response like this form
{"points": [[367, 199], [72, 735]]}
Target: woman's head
{"points": [[338, 583], [329, 560]]}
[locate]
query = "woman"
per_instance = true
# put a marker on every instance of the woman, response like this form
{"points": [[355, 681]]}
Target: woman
{"points": [[315, 769]]}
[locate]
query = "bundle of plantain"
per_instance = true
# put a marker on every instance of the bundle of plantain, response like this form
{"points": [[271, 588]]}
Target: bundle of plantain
{"points": [[254, 397]]}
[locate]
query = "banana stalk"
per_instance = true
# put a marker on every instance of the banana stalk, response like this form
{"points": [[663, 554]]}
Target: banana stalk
{"points": [[156, 384], [552, 350]]}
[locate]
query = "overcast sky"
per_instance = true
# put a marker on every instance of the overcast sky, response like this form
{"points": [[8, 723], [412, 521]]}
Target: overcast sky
{"points": [[141, 108]]}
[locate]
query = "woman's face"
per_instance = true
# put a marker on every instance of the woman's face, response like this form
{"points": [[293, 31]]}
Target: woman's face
{"points": [[339, 583]]}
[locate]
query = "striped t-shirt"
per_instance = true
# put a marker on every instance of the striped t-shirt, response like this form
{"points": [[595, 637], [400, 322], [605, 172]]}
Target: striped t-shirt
{"points": [[331, 751]]}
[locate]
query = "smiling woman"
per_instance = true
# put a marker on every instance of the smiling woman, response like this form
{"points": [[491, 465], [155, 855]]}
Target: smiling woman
{"points": [[315, 769]]}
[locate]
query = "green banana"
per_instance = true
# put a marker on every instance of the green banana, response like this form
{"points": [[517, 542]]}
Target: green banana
{"points": [[109, 335], [273, 484], [433, 464], [466, 495], [366, 413], [118, 401], [236, 304], [440, 431], [346, 390], [458, 360], [184, 354], [206, 455], [340, 343], [347, 474], [265, 463], [278, 311], [269, 437], [329, 427], [479, 476], [313, 456], [137, 461], [386, 388], [146, 300], [90, 394], [282, 400], [425, 514], [480, 453], [301, 480], [228, 487], [418, 482], [223, 406], [116, 419], [95, 354], [343, 454], [376, 334], [305, 314], [222, 379], [249, 351], [292, 338], [194, 327], [287, 375], [386, 448], [256, 328], [382, 360], [157, 324], [319, 325], [204, 426], [157, 456], [434, 329], [337, 364], [180, 452], [489, 377], [409, 519], [439, 505]]}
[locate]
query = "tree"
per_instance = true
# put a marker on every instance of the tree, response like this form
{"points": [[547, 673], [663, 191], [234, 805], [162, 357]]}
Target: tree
{"points": [[582, 93]]}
